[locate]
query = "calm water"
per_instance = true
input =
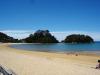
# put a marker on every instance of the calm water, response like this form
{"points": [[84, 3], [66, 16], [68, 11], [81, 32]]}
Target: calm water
{"points": [[59, 47]]}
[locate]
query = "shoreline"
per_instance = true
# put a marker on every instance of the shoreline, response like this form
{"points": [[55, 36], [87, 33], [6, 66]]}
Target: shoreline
{"points": [[94, 53], [49, 54], [24, 62]]}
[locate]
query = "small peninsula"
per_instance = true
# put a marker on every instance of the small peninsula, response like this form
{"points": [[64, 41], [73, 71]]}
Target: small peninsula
{"points": [[4, 38]]}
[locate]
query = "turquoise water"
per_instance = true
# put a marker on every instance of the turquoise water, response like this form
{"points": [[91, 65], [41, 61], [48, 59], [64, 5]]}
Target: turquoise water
{"points": [[59, 47]]}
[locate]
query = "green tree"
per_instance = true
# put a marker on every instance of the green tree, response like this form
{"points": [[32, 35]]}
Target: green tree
{"points": [[41, 36], [78, 38]]}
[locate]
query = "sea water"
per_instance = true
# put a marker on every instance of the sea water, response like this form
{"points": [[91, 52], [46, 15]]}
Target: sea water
{"points": [[58, 47]]}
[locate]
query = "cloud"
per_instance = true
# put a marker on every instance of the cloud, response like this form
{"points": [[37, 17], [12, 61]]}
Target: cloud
{"points": [[59, 35], [18, 34]]}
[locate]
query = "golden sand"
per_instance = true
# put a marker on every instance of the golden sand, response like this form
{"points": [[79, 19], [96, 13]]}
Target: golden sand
{"points": [[45, 63]]}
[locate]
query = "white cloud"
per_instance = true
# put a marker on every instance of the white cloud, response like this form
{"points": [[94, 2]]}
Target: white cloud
{"points": [[19, 34], [59, 35]]}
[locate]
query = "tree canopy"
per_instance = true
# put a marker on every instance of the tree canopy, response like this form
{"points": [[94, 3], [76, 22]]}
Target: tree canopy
{"points": [[78, 38], [41, 36], [44, 36], [7, 39]]}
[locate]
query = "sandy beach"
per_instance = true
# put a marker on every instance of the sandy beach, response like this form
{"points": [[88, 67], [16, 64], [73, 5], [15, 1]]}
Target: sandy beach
{"points": [[44, 63]]}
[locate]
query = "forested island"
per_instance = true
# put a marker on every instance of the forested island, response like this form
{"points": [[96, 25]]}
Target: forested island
{"points": [[41, 36], [44, 36], [78, 38]]}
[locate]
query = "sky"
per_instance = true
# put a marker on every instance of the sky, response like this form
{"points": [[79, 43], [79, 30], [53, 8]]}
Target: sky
{"points": [[19, 18]]}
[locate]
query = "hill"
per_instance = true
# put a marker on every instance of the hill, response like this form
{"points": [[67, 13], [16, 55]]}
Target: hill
{"points": [[78, 38], [41, 36]]}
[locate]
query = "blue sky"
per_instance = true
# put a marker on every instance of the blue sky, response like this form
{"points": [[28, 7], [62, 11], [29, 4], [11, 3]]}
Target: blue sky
{"points": [[67, 16]]}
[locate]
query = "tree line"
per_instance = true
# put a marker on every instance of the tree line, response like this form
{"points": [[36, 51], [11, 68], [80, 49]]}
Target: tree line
{"points": [[44, 36]]}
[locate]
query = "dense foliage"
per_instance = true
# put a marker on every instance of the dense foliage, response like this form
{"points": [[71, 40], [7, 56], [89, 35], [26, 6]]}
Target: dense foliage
{"points": [[41, 36], [7, 39], [44, 36], [77, 38]]}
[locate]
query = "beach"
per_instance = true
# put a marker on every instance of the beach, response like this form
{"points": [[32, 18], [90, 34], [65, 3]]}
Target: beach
{"points": [[44, 63]]}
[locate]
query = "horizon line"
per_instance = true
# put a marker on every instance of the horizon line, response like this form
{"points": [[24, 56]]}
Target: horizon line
{"points": [[60, 35]]}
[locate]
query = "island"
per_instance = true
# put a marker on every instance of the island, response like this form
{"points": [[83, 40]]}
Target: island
{"points": [[41, 36], [78, 38]]}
